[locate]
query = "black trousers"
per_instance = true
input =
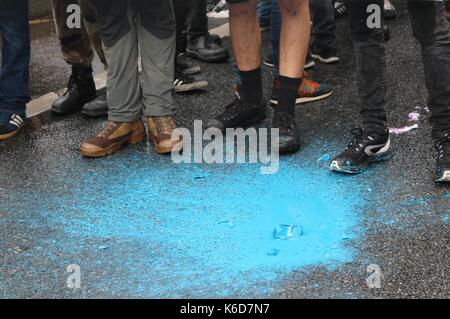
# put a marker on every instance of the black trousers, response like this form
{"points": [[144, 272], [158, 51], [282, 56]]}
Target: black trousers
{"points": [[432, 30], [191, 21]]}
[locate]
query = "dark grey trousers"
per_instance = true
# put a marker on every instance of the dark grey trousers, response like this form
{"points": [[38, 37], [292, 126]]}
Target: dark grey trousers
{"points": [[130, 29], [431, 28]]}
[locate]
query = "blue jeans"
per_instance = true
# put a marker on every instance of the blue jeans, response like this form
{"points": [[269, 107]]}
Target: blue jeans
{"points": [[324, 23], [264, 8], [14, 72]]}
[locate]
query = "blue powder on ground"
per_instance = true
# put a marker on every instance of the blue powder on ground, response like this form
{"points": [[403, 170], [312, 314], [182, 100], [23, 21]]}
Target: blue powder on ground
{"points": [[162, 229]]}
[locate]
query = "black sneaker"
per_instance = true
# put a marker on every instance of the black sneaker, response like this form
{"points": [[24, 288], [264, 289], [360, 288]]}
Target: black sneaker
{"points": [[309, 63], [442, 146], [289, 138], [98, 107], [206, 49], [389, 10], [239, 113], [340, 9], [323, 54], [362, 151], [187, 68], [186, 83], [268, 61], [10, 124]]}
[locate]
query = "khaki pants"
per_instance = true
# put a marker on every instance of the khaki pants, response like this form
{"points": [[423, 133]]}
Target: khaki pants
{"points": [[129, 29]]}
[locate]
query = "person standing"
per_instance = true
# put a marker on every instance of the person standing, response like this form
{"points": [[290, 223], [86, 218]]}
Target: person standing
{"points": [[128, 28], [77, 45], [192, 32], [371, 142], [14, 72], [246, 40]]}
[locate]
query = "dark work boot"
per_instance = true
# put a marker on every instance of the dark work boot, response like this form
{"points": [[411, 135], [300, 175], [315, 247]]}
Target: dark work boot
{"points": [[80, 90], [206, 49], [98, 107]]}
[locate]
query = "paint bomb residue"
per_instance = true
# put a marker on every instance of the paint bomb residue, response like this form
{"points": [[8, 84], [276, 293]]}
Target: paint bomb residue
{"points": [[170, 234]]}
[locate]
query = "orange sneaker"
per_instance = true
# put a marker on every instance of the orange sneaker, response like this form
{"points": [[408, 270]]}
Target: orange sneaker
{"points": [[309, 91]]}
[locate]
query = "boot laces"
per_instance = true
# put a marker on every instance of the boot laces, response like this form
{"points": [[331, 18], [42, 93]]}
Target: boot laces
{"points": [[108, 129], [359, 141]]}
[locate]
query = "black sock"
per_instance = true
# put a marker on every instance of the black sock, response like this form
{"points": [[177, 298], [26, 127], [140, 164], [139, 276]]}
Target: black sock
{"points": [[287, 94], [252, 86]]}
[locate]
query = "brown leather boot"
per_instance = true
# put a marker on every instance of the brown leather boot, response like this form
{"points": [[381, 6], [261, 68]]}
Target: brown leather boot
{"points": [[112, 138], [161, 128]]}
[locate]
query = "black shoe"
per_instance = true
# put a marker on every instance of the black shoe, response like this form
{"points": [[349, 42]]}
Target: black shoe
{"points": [[239, 113], [362, 151], [268, 61], [205, 49], [340, 9], [216, 39], [185, 83], [10, 125], [289, 140], [97, 107], [310, 63], [187, 68], [324, 54], [442, 146], [80, 90], [389, 10]]}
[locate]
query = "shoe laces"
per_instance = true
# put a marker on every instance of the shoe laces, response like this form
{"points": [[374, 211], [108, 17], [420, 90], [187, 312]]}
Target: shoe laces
{"points": [[443, 146], [284, 122], [71, 84], [164, 125], [234, 108], [108, 129], [359, 141]]}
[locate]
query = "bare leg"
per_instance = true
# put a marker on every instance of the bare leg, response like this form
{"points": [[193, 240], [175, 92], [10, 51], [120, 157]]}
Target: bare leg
{"points": [[295, 33], [245, 35], [294, 42]]}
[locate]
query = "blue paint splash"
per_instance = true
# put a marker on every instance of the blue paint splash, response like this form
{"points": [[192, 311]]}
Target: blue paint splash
{"points": [[160, 231]]}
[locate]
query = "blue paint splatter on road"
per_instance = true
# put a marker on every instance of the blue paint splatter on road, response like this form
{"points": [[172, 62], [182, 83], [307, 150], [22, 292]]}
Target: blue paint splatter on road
{"points": [[166, 233]]}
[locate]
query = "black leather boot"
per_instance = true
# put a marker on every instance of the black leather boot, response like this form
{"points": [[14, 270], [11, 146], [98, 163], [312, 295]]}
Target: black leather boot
{"points": [[97, 107], [206, 49], [80, 90]]}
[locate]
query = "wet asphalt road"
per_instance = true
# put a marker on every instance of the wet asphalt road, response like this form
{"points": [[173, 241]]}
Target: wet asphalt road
{"points": [[402, 226]]}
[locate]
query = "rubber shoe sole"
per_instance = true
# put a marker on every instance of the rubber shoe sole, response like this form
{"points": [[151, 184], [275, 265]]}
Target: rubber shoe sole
{"points": [[211, 59], [445, 178], [191, 87], [303, 100], [167, 149], [325, 60], [193, 70], [334, 165], [5, 137]]}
